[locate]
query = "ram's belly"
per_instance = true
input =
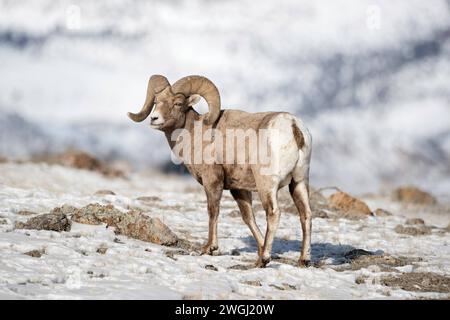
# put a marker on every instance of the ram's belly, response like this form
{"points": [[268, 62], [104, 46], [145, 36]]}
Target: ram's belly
{"points": [[239, 177]]}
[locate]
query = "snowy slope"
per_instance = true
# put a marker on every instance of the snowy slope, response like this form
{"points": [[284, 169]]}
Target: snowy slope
{"points": [[71, 268], [370, 79]]}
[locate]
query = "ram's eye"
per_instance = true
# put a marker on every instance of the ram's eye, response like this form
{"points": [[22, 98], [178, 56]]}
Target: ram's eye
{"points": [[178, 104]]}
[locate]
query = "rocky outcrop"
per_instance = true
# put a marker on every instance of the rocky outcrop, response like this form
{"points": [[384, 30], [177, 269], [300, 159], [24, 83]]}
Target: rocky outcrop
{"points": [[133, 224], [382, 213], [349, 206], [80, 160], [50, 221], [418, 230], [414, 195]]}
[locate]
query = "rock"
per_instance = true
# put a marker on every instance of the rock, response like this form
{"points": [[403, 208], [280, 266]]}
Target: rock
{"points": [[25, 213], [320, 214], [413, 195], [356, 253], [65, 209], [117, 240], [104, 192], [413, 231], [255, 283], [211, 267], [172, 253], [235, 252], [415, 221], [133, 224], [3, 221], [448, 228], [149, 198], [382, 213], [81, 160], [283, 286], [360, 279], [349, 206], [53, 222], [3, 159], [241, 267], [35, 253], [102, 250]]}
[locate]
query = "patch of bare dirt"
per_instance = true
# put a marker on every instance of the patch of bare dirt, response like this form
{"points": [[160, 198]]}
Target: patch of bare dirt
{"points": [[411, 194], [418, 281], [173, 253], [285, 260], [363, 259], [104, 192], [242, 267], [149, 198]]}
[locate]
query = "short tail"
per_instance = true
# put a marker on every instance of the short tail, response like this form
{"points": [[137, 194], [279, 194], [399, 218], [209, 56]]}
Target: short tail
{"points": [[298, 135]]}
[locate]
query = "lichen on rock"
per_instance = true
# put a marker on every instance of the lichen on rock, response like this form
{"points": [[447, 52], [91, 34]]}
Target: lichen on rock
{"points": [[134, 224], [49, 221]]}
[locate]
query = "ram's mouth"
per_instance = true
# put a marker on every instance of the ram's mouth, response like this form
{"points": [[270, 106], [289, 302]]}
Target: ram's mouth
{"points": [[156, 125]]}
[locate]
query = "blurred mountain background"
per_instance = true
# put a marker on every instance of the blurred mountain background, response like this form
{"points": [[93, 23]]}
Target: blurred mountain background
{"points": [[371, 79]]}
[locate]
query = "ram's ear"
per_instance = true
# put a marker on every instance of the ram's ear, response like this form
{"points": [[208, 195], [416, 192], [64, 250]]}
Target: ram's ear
{"points": [[193, 99]]}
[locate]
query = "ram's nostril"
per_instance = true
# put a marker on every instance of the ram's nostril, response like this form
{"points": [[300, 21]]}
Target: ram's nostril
{"points": [[153, 118]]}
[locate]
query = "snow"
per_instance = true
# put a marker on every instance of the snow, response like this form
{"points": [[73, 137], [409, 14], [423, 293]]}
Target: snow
{"points": [[369, 79], [131, 269]]}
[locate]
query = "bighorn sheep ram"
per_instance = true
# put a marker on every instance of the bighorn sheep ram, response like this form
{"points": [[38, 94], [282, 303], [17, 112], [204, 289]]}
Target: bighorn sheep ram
{"points": [[170, 110]]}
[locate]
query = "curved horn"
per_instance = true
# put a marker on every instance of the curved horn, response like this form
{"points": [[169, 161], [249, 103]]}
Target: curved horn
{"points": [[156, 84], [204, 87]]}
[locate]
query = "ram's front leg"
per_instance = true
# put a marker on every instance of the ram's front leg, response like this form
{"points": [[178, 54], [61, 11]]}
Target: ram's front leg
{"points": [[213, 195]]}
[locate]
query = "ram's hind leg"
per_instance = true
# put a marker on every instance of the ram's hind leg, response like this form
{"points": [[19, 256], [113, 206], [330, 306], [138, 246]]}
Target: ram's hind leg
{"points": [[244, 201], [300, 194]]}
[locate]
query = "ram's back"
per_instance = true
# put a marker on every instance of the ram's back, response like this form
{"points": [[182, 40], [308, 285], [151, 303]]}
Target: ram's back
{"points": [[283, 143]]}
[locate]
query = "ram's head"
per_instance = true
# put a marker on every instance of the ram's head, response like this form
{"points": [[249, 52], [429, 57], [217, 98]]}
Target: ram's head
{"points": [[167, 104]]}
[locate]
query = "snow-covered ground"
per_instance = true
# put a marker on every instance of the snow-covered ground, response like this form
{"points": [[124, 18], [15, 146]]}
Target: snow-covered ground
{"points": [[71, 268]]}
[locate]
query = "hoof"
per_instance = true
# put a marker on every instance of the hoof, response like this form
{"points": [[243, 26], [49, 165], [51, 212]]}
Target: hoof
{"points": [[209, 249], [304, 263], [262, 262]]}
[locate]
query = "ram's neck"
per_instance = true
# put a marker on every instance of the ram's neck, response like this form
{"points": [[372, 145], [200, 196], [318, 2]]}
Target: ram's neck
{"points": [[191, 117]]}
